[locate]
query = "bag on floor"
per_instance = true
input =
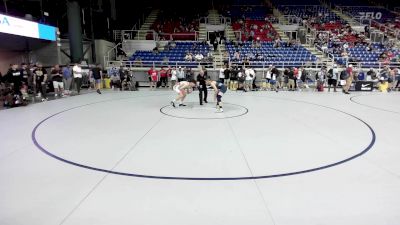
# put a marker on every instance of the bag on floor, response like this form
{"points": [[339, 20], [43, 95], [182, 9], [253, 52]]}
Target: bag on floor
{"points": [[158, 84]]}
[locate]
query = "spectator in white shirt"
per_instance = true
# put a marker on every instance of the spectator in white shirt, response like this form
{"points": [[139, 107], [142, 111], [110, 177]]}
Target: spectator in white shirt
{"points": [[77, 72], [250, 74], [188, 57], [221, 75], [199, 57], [180, 74], [174, 78]]}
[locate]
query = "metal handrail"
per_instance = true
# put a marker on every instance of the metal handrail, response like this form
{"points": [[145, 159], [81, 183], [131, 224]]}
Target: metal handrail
{"points": [[157, 64], [107, 56]]}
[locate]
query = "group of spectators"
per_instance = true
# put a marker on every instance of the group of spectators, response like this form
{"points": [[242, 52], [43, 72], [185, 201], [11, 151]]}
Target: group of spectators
{"points": [[160, 78], [25, 82], [256, 30], [297, 79], [170, 21]]}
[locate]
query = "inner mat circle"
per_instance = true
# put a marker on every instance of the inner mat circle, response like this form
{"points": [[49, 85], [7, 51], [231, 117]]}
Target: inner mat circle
{"points": [[205, 111]]}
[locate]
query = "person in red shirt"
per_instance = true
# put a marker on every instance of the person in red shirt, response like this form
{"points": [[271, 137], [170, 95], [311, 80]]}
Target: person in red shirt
{"points": [[153, 78], [164, 77]]}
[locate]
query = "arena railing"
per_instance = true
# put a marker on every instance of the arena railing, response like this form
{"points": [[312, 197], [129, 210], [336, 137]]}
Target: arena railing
{"points": [[222, 20], [133, 34], [364, 65], [152, 35], [289, 20], [194, 36], [159, 64]]}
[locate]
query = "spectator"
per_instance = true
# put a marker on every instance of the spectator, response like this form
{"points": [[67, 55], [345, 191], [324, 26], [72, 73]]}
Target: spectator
{"points": [[233, 84], [199, 57], [333, 74], [14, 77], [250, 74], [163, 77], [291, 79], [165, 60], [188, 57], [115, 81], [97, 76], [180, 74], [236, 56], [320, 79], [189, 75], [77, 71], [67, 79], [174, 77], [215, 45], [349, 79], [153, 78], [26, 78], [39, 82], [172, 44], [57, 79], [221, 75]]}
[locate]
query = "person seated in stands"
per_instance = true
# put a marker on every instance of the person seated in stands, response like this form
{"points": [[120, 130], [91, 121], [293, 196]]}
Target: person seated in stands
{"points": [[199, 57], [297, 44], [240, 43], [291, 43], [138, 62], [165, 60], [258, 43], [188, 57], [251, 56], [210, 56], [277, 43], [155, 50], [236, 56], [383, 56], [250, 38], [344, 54], [246, 62], [369, 48]]}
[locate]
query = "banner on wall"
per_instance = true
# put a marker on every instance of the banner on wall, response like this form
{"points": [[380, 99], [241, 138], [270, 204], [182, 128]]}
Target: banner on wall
{"points": [[16, 26]]}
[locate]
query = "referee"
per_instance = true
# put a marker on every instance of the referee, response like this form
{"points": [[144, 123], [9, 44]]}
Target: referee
{"points": [[201, 82]]}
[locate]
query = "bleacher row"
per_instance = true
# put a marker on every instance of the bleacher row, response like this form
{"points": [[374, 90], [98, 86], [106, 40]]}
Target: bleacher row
{"points": [[271, 55], [173, 55]]}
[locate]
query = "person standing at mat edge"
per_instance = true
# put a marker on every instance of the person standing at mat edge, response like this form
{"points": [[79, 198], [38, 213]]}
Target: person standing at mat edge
{"points": [[97, 76], [77, 72], [201, 84]]}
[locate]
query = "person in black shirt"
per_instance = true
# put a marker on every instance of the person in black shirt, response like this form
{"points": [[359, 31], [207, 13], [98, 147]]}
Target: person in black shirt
{"points": [[201, 82], [25, 73], [291, 80], [56, 76], [233, 79], [97, 75], [227, 72], [39, 81], [14, 77]]}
